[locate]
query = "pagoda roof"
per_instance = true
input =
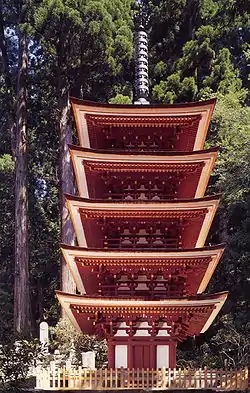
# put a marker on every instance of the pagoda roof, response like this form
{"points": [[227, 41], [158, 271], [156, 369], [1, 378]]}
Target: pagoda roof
{"points": [[89, 115], [187, 316], [200, 162], [85, 264], [82, 209]]}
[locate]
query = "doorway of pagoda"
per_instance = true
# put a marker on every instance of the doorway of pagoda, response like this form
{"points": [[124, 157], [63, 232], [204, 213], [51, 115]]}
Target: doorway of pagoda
{"points": [[142, 355], [121, 356]]}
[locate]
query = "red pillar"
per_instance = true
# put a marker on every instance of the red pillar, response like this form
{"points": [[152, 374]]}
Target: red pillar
{"points": [[130, 353], [172, 354], [152, 355], [111, 354]]}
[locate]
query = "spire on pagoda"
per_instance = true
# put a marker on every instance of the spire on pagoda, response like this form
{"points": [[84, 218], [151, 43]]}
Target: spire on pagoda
{"points": [[141, 67], [141, 60]]}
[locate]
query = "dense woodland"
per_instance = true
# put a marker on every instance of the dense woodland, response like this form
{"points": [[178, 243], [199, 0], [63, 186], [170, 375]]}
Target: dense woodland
{"points": [[51, 49]]}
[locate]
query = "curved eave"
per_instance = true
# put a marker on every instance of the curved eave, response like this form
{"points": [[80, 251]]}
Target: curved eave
{"points": [[68, 300], [134, 154], [95, 105], [97, 257], [202, 108], [205, 157], [75, 204]]}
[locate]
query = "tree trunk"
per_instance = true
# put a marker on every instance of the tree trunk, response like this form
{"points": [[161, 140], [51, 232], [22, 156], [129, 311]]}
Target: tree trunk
{"points": [[21, 284], [66, 184], [8, 83]]}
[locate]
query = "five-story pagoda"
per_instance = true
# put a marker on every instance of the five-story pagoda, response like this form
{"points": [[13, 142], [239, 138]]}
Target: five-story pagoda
{"points": [[141, 222]]}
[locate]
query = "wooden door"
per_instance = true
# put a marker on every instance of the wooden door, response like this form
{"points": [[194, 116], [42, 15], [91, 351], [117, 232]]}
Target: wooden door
{"points": [[141, 356]]}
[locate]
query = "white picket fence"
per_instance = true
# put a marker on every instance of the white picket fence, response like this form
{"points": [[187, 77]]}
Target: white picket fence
{"points": [[160, 379]]}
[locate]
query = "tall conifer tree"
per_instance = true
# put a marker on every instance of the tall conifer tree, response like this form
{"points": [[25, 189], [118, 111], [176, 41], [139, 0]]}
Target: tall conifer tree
{"points": [[21, 277]]}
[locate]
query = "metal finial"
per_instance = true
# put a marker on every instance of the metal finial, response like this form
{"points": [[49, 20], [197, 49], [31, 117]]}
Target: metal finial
{"points": [[141, 66]]}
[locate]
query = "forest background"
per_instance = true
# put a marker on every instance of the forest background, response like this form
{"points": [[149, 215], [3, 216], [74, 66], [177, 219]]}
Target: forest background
{"points": [[50, 49]]}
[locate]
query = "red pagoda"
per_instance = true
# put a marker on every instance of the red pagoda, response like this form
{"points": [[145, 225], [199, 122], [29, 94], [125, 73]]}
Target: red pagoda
{"points": [[141, 221]]}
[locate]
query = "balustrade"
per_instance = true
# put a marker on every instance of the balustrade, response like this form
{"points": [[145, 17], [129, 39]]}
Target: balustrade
{"points": [[142, 189], [149, 241], [153, 289], [159, 379]]}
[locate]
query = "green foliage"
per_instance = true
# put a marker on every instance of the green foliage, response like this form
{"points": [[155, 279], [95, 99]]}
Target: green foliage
{"points": [[223, 77], [230, 130], [16, 359], [7, 176], [120, 99], [105, 50], [7, 165], [228, 348], [66, 337], [174, 89], [205, 41]]}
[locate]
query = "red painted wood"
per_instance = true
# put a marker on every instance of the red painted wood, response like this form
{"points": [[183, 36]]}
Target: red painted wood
{"points": [[141, 351], [111, 354], [142, 134], [172, 354], [130, 353]]}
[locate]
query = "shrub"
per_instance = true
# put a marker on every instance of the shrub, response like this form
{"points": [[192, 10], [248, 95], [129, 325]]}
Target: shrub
{"points": [[16, 359], [66, 338]]}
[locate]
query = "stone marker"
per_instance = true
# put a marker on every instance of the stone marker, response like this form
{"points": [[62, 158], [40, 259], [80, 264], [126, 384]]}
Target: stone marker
{"points": [[88, 360], [44, 335]]}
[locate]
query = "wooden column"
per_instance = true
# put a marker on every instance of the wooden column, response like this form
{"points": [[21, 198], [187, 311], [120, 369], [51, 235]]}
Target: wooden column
{"points": [[111, 354], [130, 353], [152, 355], [172, 354]]}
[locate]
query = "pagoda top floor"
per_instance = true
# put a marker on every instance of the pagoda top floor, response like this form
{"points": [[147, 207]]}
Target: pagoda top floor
{"points": [[178, 127], [138, 176], [104, 316], [160, 274], [142, 225]]}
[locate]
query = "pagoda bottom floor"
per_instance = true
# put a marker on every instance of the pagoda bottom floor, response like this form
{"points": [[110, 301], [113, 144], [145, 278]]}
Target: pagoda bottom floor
{"points": [[141, 352], [60, 379]]}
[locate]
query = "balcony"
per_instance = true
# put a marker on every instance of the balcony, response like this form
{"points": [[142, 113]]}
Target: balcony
{"points": [[125, 379]]}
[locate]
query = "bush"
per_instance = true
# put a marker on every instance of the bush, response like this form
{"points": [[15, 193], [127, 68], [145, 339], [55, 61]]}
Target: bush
{"points": [[66, 339], [16, 359]]}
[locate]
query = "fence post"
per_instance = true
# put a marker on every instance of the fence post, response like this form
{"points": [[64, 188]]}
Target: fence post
{"points": [[245, 378], [142, 378], [116, 378], [174, 378], [148, 378], [133, 377], [122, 377], [105, 378], [195, 378], [205, 377], [169, 380], [38, 377], [189, 377], [179, 379], [163, 378]]}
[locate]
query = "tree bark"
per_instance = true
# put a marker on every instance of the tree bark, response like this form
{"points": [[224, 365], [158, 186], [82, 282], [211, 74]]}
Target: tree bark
{"points": [[8, 83], [67, 184], [22, 321]]}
